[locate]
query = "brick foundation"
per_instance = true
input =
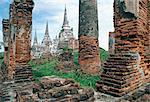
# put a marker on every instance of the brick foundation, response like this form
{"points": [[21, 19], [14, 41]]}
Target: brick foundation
{"points": [[127, 69], [89, 55]]}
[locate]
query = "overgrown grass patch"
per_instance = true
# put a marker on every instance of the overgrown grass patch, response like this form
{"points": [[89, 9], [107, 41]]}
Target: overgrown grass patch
{"points": [[48, 69]]}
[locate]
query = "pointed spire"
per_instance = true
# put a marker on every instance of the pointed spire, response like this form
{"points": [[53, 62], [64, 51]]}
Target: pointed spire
{"points": [[46, 40], [65, 22], [56, 37], [35, 38], [46, 31]]}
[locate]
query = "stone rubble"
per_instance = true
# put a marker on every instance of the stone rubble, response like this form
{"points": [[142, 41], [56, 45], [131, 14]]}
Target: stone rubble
{"points": [[49, 89], [55, 89]]}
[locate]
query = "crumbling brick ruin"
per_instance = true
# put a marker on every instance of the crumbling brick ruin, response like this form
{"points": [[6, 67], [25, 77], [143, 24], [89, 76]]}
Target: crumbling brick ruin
{"points": [[127, 69], [88, 37], [17, 43], [17, 38], [5, 38]]}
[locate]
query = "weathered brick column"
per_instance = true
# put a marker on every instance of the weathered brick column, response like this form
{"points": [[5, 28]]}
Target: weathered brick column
{"points": [[88, 37], [148, 38], [23, 21], [5, 39], [126, 70], [17, 37]]}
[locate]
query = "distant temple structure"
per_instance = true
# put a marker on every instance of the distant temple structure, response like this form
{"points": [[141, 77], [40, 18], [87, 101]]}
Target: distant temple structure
{"points": [[66, 37], [43, 49], [36, 48], [54, 47], [46, 43]]}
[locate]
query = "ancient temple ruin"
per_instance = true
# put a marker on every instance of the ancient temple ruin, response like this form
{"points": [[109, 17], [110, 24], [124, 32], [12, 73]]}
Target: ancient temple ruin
{"points": [[5, 39], [42, 49], [88, 37], [66, 37], [127, 69], [17, 39], [46, 43], [36, 48], [54, 48]]}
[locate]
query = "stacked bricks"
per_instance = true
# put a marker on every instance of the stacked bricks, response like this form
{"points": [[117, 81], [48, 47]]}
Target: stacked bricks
{"points": [[53, 89], [66, 61], [5, 39], [147, 47], [22, 19], [120, 75], [126, 70], [19, 31], [88, 37], [49, 89]]}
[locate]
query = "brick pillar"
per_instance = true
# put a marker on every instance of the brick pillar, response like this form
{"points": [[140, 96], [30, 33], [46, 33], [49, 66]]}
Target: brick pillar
{"points": [[5, 39], [22, 24], [19, 39], [88, 37], [126, 70], [148, 38]]}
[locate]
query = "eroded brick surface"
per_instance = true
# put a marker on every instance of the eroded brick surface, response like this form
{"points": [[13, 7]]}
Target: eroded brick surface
{"points": [[5, 38], [66, 63], [17, 35], [55, 89], [88, 37], [89, 55], [49, 89], [126, 70]]}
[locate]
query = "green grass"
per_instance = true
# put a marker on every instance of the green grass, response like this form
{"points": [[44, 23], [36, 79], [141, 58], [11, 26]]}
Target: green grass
{"points": [[103, 55], [76, 54], [48, 69]]}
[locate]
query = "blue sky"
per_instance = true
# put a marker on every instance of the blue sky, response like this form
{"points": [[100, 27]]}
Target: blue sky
{"points": [[53, 11]]}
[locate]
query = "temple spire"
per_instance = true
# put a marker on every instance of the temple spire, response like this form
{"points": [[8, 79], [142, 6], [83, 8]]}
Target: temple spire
{"points": [[65, 22], [46, 31], [46, 41], [35, 38]]}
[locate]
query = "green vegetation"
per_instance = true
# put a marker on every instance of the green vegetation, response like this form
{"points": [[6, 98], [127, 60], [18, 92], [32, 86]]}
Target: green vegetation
{"points": [[103, 55], [48, 68], [76, 54]]}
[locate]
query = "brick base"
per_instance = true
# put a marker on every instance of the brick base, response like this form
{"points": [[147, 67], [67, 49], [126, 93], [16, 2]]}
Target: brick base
{"points": [[89, 54]]}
